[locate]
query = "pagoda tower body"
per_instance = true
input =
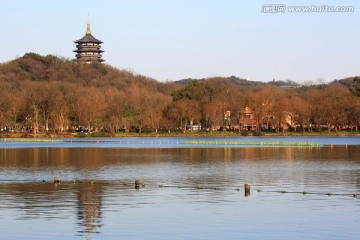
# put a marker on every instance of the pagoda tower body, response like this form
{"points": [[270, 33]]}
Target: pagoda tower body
{"points": [[88, 48]]}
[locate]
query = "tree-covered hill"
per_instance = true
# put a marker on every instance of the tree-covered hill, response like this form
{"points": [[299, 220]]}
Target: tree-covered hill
{"points": [[35, 67], [239, 82], [353, 83], [53, 94]]}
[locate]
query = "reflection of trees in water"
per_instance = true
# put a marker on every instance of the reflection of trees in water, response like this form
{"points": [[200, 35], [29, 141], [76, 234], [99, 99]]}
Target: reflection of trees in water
{"points": [[357, 183], [195, 166], [89, 207], [37, 200], [48, 201]]}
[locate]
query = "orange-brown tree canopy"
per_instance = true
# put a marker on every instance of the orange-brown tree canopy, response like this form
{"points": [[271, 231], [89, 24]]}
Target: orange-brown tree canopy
{"points": [[48, 93]]}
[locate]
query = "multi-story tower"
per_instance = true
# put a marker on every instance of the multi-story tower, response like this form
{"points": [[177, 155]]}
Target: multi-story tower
{"points": [[88, 48]]}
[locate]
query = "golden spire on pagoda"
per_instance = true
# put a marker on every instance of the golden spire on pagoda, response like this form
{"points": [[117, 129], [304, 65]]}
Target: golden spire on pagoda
{"points": [[88, 27]]}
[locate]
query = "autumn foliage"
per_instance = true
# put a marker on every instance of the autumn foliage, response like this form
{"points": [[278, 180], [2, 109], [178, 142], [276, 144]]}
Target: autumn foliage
{"points": [[50, 94]]}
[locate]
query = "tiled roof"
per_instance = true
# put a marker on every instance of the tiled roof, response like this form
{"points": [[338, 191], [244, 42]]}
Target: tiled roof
{"points": [[88, 38]]}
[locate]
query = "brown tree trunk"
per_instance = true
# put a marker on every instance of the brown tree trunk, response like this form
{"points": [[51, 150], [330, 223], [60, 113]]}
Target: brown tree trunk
{"points": [[47, 124], [329, 127], [303, 128], [36, 118]]}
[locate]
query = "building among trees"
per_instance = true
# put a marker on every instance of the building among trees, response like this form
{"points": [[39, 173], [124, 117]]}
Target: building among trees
{"points": [[88, 48]]}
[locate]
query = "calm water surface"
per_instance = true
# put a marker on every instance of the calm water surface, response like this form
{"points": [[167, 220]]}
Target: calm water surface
{"points": [[190, 192]]}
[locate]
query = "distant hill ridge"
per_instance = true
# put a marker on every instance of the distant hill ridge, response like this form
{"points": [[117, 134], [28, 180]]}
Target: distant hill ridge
{"points": [[35, 67], [239, 82]]}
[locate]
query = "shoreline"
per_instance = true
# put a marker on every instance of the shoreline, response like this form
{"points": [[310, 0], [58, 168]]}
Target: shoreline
{"points": [[180, 135]]}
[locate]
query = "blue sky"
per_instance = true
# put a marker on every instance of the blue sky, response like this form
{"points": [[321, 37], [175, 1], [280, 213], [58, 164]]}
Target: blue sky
{"points": [[177, 39]]}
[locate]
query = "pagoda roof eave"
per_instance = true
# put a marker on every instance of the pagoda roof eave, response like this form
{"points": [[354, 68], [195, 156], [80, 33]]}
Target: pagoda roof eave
{"points": [[90, 60], [88, 38], [88, 50]]}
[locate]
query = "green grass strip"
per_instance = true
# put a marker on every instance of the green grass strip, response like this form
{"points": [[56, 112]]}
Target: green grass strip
{"points": [[248, 143], [30, 140]]}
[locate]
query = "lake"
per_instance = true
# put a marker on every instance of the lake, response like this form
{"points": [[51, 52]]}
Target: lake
{"points": [[188, 191]]}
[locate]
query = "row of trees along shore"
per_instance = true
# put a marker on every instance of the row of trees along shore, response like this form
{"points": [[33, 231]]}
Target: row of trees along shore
{"points": [[42, 94]]}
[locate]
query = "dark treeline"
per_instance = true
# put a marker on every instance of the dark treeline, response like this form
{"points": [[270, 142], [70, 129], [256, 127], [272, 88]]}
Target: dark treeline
{"points": [[48, 93]]}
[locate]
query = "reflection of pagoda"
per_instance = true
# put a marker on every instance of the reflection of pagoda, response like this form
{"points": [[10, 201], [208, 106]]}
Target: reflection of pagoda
{"points": [[89, 208], [88, 48]]}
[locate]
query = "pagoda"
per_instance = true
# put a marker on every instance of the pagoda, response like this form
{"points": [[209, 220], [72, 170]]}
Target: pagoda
{"points": [[88, 48]]}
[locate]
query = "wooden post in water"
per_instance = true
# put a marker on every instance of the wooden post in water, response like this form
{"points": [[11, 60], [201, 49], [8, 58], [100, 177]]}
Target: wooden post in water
{"points": [[137, 184], [56, 179], [247, 190]]}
